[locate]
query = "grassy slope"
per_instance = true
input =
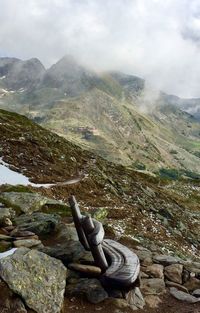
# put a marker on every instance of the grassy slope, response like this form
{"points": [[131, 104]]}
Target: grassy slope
{"points": [[123, 133], [137, 204]]}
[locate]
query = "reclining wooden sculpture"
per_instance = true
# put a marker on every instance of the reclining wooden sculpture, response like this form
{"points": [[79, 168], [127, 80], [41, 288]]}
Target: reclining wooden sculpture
{"points": [[120, 266]]}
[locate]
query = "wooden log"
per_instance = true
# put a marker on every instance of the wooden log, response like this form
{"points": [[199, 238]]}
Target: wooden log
{"points": [[77, 217], [92, 235]]}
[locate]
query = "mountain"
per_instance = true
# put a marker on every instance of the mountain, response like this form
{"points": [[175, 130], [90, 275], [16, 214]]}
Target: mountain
{"points": [[16, 74], [192, 106], [139, 207], [155, 218], [112, 114]]}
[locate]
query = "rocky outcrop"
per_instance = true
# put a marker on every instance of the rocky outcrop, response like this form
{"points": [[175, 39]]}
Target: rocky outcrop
{"points": [[37, 222], [30, 202], [39, 279]]}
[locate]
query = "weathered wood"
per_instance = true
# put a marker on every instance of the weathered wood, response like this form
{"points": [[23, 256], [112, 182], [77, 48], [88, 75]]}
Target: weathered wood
{"points": [[124, 266], [95, 233], [119, 265], [77, 217]]}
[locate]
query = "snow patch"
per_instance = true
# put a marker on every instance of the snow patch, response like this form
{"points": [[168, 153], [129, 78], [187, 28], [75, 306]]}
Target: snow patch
{"points": [[7, 253], [8, 176]]}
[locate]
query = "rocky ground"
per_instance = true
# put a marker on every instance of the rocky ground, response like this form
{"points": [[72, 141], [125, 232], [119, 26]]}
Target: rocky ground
{"points": [[39, 276]]}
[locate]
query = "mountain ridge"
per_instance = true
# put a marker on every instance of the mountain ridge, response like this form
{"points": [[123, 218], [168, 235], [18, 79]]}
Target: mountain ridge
{"points": [[112, 113]]}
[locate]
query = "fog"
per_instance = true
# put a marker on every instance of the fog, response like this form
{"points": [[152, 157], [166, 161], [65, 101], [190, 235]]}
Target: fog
{"points": [[154, 39]]}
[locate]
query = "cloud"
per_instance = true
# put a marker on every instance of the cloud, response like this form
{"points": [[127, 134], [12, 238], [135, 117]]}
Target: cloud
{"points": [[155, 39]]}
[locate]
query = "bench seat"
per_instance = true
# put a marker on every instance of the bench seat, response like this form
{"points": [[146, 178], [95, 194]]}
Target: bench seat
{"points": [[124, 266]]}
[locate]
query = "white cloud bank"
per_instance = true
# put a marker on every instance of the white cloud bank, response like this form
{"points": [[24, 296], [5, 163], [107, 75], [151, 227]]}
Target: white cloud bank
{"points": [[155, 39]]}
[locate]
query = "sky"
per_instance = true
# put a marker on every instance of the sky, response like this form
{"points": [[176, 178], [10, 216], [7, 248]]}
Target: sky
{"points": [[158, 40]]}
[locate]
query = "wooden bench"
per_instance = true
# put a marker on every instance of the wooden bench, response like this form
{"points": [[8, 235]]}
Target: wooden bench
{"points": [[119, 265]]}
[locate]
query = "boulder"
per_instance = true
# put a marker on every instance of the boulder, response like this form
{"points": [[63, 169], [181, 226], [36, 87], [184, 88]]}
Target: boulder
{"points": [[177, 286], [25, 201], [193, 267], [147, 262], [39, 279], [99, 214], [68, 251], [152, 301], [37, 222], [153, 286], [5, 245], [192, 284], [5, 215], [66, 232], [183, 296], [196, 293], [10, 302], [28, 243], [166, 259], [143, 254], [31, 202], [23, 234], [90, 288], [174, 273], [155, 271], [135, 299]]}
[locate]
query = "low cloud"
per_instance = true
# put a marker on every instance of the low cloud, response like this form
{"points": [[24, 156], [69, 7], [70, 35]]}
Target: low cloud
{"points": [[154, 39]]}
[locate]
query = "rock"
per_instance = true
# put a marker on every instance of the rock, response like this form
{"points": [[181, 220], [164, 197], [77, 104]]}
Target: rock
{"points": [[68, 252], [3, 231], [143, 275], [9, 228], [155, 271], [166, 259], [6, 222], [25, 201], [192, 284], [90, 288], [5, 238], [39, 279], [185, 276], [17, 233], [10, 302], [28, 202], [28, 243], [183, 296], [153, 286], [193, 267], [100, 214], [147, 262], [177, 286], [152, 301], [89, 269], [52, 206], [7, 253], [5, 245], [67, 232], [39, 223], [121, 304], [174, 273], [5, 215], [135, 299], [196, 293], [86, 258], [143, 254]]}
